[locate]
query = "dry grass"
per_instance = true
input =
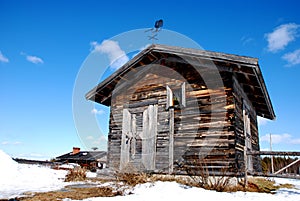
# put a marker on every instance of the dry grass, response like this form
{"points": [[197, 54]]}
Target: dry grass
{"points": [[125, 181], [203, 178], [76, 174], [286, 186], [220, 184], [132, 179], [217, 183], [261, 185], [265, 185], [74, 193], [179, 179]]}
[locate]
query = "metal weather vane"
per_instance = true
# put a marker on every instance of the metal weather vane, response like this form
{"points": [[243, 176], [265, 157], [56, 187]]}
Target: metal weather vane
{"points": [[154, 31]]}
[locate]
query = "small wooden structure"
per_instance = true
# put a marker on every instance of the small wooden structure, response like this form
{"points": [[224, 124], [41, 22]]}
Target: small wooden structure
{"points": [[178, 110], [88, 159]]}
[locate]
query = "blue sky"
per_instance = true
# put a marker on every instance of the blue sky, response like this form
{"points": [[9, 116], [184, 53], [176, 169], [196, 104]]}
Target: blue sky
{"points": [[43, 45]]}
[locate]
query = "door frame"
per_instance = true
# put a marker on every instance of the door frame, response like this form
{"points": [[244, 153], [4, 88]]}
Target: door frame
{"points": [[148, 137]]}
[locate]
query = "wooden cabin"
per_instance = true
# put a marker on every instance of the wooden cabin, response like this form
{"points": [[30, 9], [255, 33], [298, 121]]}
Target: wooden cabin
{"points": [[89, 159], [176, 110]]}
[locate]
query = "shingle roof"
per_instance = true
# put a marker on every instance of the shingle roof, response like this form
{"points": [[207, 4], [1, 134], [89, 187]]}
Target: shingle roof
{"points": [[82, 156], [245, 68]]}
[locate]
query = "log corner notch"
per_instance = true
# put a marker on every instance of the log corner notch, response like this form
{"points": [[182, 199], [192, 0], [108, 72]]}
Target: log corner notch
{"points": [[172, 80]]}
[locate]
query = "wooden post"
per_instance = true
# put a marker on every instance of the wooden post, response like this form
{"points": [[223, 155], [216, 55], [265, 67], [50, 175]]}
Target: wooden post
{"points": [[246, 167], [245, 147], [272, 162], [171, 139], [170, 107]]}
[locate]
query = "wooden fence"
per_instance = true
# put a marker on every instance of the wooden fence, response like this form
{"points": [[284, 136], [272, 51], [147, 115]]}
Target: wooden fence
{"points": [[277, 173]]}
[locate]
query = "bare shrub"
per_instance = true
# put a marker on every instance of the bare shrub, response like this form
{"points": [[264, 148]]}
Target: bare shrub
{"points": [[132, 179], [219, 184], [203, 178], [76, 174], [181, 179]]}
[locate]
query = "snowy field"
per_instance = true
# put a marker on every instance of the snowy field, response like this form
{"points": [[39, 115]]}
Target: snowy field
{"points": [[16, 179], [162, 191]]}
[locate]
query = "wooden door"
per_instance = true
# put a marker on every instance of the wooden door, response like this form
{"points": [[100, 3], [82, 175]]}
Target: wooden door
{"points": [[247, 133], [138, 143]]}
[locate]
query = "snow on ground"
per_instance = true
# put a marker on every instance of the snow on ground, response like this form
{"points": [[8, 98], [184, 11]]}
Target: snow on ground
{"points": [[91, 174], [295, 182], [16, 179], [162, 191]]}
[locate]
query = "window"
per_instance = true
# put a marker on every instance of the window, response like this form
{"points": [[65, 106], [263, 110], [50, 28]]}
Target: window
{"points": [[176, 96]]}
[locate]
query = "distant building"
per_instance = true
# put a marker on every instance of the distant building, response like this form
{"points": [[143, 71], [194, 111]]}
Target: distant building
{"points": [[178, 110], [88, 159]]}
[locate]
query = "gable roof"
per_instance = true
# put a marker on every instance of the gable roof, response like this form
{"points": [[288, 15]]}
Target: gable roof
{"points": [[82, 156], [246, 69]]}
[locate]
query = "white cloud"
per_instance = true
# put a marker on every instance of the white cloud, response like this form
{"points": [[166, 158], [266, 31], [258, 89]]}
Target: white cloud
{"points": [[293, 58], [246, 40], [262, 121], [116, 55], [281, 36], [32, 156], [296, 141], [33, 59], [11, 143], [95, 111], [280, 139], [3, 58], [36, 155], [99, 140], [90, 137]]}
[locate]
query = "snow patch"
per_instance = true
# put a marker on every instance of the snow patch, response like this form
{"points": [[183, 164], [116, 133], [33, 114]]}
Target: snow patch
{"points": [[16, 179], [162, 191], [91, 174]]}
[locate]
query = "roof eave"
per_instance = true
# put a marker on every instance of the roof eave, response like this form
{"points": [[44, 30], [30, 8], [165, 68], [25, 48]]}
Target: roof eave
{"points": [[123, 69], [243, 60], [263, 87]]}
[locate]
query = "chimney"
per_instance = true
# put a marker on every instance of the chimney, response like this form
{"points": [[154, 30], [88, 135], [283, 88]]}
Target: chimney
{"points": [[76, 150]]}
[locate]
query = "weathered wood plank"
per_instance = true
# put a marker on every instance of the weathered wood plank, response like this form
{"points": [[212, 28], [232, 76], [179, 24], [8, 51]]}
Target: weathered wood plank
{"points": [[149, 137], [278, 153], [192, 125], [141, 104], [126, 136], [171, 139]]}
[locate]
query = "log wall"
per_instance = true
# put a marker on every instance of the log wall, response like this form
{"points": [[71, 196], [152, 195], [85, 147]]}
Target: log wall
{"points": [[206, 134], [211, 146], [240, 98]]}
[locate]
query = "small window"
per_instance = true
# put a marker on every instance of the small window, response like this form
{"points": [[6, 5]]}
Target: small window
{"points": [[176, 97]]}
